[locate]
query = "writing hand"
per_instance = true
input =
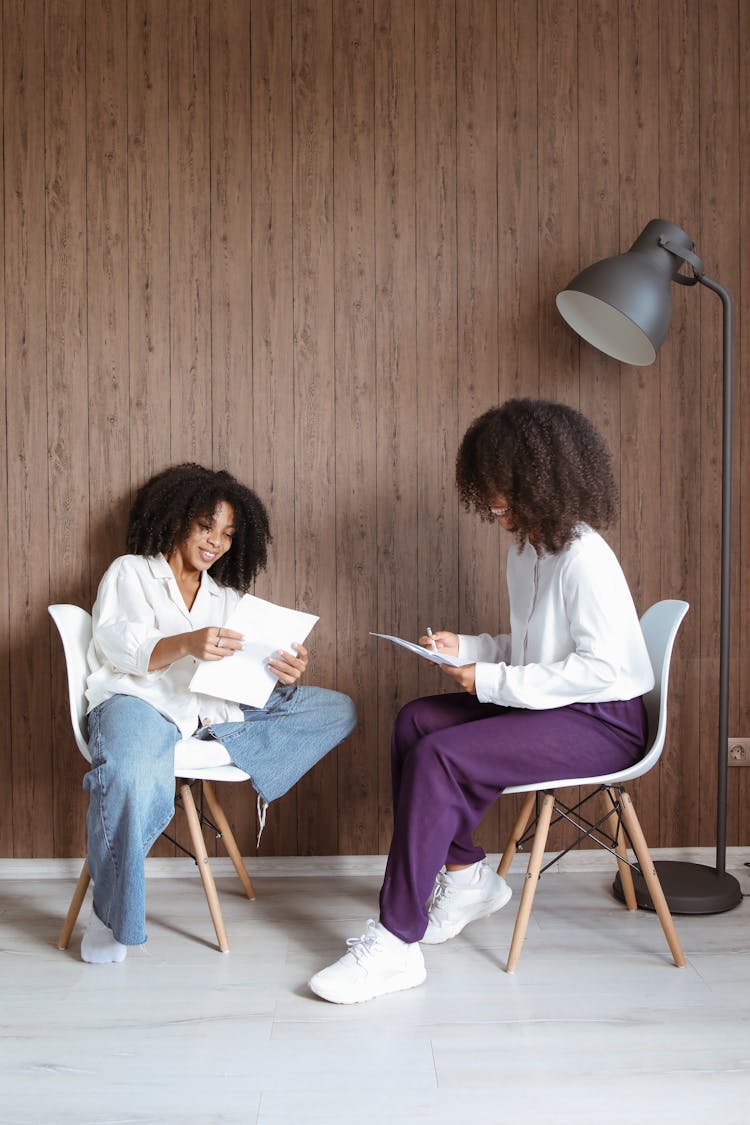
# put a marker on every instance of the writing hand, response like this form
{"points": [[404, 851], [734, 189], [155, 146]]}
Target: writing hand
{"points": [[444, 642], [289, 667]]}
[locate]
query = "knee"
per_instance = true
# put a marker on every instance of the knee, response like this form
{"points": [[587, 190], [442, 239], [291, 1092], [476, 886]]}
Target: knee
{"points": [[344, 712], [425, 761]]}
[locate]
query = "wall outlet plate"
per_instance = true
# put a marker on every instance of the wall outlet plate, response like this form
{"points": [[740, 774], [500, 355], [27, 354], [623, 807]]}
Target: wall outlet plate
{"points": [[739, 751]]}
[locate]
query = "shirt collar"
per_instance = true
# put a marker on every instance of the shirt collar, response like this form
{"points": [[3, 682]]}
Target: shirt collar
{"points": [[160, 568]]}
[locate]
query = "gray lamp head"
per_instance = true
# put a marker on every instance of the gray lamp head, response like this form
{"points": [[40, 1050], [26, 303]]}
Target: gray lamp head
{"points": [[623, 305]]}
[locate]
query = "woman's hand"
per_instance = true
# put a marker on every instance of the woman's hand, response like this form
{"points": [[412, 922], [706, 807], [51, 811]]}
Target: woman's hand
{"points": [[465, 676], [444, 642], [212, 643], [288, 667]]}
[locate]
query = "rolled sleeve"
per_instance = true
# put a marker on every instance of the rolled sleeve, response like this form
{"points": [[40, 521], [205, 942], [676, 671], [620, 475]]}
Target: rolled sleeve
{"points": [[125, 632]]}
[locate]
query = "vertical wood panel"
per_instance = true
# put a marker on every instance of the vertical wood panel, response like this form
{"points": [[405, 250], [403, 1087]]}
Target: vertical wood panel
{"points": [[396, 375], [680, 422], [273, 328], [230, 239], [437, 393], [26, 391], [559, 252], [518, 198], [354, 358], [315, 497], [519, 367], [67, 394], [148, 237], [719, 222], [741, 602], [6, 821], [231, 373], [480, 543], [189, 231], [599, 237], [107, 272], [640, 388]]}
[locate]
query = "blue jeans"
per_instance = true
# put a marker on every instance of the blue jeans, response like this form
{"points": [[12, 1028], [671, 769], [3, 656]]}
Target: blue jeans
{"points": [[131, 781]]}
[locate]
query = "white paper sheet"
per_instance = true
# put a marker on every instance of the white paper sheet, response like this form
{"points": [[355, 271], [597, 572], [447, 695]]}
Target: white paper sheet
{"points": [[435, 657], [244, 677]]}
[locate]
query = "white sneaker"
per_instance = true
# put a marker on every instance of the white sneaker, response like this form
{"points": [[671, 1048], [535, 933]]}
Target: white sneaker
{"points": [[451, 906], [376, 963]]}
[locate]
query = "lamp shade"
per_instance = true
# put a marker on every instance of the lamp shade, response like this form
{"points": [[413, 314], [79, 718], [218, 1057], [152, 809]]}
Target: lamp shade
{"points": [[623, 305]]}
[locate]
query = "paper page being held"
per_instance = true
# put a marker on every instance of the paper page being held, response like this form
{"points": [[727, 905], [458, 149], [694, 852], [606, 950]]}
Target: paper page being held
{"points": [[418, 650], [267, 629]]}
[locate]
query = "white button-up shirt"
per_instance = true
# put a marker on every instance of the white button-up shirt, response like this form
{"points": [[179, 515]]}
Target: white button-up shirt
{"points": [[575, 635], [139, 603]]}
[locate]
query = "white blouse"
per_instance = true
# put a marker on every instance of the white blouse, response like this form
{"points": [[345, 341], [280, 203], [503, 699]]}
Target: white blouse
{"points": [[139, 603], [574, 632]]}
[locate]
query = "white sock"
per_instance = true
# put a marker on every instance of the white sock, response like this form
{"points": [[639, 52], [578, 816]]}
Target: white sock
{"points": [[99, 946], [466, 876], [389, 937]]}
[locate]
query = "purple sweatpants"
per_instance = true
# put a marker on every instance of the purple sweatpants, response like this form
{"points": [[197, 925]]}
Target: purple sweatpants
{"points": [[452, 756]]}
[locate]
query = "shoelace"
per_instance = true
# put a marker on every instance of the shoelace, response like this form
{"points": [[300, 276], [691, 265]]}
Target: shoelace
{"points": [[364, 946], [443, 891]]}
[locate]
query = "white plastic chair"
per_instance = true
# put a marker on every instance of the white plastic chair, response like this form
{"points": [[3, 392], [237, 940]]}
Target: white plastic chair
{"points": [[196, 761], [659, 625]]}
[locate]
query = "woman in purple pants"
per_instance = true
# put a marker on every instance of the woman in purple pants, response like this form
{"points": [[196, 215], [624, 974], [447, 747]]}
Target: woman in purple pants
{"points": [[559, 696]]}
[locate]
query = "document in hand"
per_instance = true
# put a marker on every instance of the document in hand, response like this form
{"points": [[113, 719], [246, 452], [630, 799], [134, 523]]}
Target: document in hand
{"points": [[244, 677], [435, 657]]}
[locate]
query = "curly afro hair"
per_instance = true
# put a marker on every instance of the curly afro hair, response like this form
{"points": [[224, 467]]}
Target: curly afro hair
{"points": [[550, 463], [167, 504]]}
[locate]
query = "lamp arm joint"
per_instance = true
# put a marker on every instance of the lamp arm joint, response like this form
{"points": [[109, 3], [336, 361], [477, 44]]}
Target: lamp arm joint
{"points": [[686, 256]]}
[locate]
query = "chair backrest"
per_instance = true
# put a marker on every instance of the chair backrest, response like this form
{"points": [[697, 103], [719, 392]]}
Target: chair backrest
{"points": [[659, 626], [74, 627]]}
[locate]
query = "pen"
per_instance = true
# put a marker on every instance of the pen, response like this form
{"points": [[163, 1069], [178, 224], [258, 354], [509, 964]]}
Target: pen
{"points": [[429, 634]]}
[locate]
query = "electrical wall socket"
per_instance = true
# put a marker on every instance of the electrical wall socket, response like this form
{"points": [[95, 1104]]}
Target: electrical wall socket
{"points": [[739, 751]]}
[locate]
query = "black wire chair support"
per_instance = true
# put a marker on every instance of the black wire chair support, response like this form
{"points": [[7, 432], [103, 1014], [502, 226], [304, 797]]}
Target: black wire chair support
{"points": [[586, 829], [202, 817]]}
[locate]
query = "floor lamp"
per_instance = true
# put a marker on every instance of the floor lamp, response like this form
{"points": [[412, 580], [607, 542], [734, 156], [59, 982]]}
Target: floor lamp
{"points": [[623, 306]]}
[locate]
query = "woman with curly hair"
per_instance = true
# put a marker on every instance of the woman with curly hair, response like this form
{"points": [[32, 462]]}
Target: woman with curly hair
{"points": [[559, 696], [196, 539]]}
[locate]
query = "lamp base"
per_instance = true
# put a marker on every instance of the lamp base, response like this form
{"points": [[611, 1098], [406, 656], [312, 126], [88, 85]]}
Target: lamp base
{"points": [[689, 888]]}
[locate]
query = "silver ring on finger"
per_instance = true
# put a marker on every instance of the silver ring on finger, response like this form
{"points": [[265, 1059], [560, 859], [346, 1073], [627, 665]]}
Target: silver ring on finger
{"points": [[218, 643]]}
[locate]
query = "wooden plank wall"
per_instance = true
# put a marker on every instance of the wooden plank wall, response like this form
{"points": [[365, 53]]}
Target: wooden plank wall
{"points": [[310, 240]]}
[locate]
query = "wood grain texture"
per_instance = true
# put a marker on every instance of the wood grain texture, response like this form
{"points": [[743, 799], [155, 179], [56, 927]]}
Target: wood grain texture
{"points": [[67, 395], [315, 500], [28, 637], [311, 240], [356, 437], [396, 378], [6, 759]]}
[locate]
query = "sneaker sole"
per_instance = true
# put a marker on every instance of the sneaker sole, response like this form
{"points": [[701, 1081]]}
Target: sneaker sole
{"points": [[489, 908], [399, 984]]}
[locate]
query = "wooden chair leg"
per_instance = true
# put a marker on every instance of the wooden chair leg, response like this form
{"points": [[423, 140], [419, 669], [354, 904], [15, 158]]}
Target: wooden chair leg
{"points": [[626, 875], [532, 878], [516, 833], [201, 855], [74, 909], [640, 847], [228, 839]]}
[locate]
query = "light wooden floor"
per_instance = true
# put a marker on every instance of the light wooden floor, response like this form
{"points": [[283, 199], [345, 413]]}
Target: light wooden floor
{"points": [[597, 1020]]}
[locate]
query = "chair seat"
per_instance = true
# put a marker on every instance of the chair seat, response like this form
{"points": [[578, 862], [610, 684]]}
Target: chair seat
{"points": [[206, 760]]}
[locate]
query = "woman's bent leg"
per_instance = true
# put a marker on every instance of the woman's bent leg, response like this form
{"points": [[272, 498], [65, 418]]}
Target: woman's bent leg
{"points": [[131, 801], [451, 776], [279, 743]]}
